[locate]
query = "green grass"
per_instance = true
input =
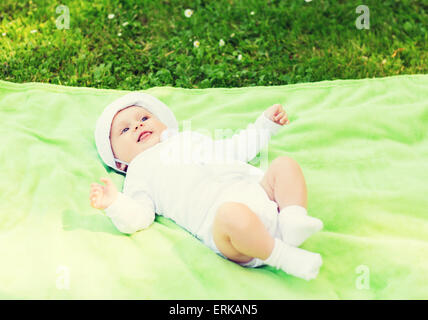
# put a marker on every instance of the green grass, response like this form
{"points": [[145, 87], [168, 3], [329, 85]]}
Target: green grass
{"points": [[282, 42]]}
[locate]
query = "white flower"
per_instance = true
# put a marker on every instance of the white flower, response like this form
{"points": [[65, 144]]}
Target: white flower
{"points": [[232, 35], [33, 31], [188, 13], [119, 34], [252, 13], [4, 34], [125, 23], [111, 16], [196, 43], [308, 0], [221, 43], [240, 57]]}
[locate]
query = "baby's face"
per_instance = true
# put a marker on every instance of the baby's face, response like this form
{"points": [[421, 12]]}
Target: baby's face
{"points": [[126, 135]]}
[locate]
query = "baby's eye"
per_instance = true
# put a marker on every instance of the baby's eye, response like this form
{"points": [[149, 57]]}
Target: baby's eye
{"points": [[144, 118], [124, 130]]}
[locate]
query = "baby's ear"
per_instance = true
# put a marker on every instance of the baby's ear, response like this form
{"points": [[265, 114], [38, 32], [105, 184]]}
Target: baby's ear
{"points": [[121, 166], [118, 165]]}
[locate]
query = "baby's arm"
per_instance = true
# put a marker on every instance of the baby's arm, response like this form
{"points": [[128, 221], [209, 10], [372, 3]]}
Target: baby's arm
{"points": [[246, 144], [128, 214]]}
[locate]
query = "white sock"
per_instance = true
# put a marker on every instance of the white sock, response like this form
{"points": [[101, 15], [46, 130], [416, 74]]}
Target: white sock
{"points": [[294, 261], [296, 226]]}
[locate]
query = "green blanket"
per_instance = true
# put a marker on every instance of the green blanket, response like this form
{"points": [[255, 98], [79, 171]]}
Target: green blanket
{"points": [[362, 146]]}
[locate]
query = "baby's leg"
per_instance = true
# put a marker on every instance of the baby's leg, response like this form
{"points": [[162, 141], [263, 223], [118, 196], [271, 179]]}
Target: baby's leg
{"points": [[284, 183], [239, 234]]}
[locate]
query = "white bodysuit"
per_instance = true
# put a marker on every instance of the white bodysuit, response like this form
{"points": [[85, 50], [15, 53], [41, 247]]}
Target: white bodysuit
{"points": [[186, 174]]}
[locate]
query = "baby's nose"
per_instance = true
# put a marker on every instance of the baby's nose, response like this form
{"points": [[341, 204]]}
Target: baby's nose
{"points": [[140, 125]]}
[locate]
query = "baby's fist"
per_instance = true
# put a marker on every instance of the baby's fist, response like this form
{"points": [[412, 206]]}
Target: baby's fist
{"points": [[277, 114], [103, 196]]}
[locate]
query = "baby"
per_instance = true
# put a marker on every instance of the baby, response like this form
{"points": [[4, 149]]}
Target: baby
{"points": [[206, 185]]}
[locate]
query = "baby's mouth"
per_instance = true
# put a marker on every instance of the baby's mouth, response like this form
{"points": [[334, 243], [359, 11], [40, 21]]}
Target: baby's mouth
{"points": [[143, 135]]}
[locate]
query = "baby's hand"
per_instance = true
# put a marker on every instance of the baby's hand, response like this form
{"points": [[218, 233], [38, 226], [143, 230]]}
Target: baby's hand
{"points": [[277, 114], [103, 196]]}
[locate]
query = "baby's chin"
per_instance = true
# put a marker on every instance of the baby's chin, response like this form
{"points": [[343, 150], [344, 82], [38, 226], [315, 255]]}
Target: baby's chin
{"points": [[151, 141]]}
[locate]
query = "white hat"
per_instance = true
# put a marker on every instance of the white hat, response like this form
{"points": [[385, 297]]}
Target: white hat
{"points": [[103, 126]]}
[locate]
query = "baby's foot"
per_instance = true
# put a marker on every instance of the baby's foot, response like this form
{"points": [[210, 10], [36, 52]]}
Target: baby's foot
{"points": [[305, 264], [295, 261], [296, 228]]}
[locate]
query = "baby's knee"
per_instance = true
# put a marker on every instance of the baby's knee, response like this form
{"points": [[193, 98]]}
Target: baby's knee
{"points": [[234, 216], [284, 161]]}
